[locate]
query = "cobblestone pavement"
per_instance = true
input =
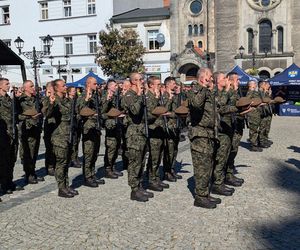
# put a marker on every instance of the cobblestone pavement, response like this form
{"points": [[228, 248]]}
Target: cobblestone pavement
{"points": [[263, 214]]}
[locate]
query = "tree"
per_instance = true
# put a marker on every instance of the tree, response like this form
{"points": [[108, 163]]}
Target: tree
{"points": [[120, 52]]}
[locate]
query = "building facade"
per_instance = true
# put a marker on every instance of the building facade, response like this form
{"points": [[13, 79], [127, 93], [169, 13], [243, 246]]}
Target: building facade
{"points": [[74, 26]]}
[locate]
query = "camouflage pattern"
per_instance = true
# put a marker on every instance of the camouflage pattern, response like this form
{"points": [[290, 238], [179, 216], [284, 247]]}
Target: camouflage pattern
{"points": [[29, 135], [266, 120], [91, 135], [254, 120], [201, 135], [8, 147], [61, 111], [226, 101], [135, 136], [49, 127]]}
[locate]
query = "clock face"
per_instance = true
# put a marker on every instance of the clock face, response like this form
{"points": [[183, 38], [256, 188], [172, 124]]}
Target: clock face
{"points": [[196, 7], [263, 5]]}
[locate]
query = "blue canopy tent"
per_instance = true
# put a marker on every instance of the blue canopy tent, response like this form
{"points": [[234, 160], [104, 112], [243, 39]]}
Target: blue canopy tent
{"points": [[81, 83], [289, 77], [243, 76]]}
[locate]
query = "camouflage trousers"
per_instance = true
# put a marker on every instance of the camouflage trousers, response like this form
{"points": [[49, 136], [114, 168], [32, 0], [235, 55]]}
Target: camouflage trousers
{"points": [[254, 127], [90, 149], [235, 142], [112, 146], [77, 137], [62, 156], [222, 155], [136, 144], [202, 150], [49, 153], [7, 162], [30, 140], [265, 128], [170, 151], [155, 155]]}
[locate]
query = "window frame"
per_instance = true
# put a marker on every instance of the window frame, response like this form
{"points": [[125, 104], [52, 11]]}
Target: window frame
{"points": [[67, 8], [4, 14], [90, 45], [68, 45], [92, 4], [156, 46], [44, 10]]}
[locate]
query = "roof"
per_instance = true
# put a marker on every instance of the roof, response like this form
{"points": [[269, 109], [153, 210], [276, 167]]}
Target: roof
{"points": [[8, 57], [290, 76], [199, 51], [142, 15], [81, 83]]}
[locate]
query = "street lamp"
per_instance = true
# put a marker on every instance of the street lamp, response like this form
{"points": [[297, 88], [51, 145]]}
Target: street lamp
{"points": [[35, 56], [59, 66], [241, 50]]}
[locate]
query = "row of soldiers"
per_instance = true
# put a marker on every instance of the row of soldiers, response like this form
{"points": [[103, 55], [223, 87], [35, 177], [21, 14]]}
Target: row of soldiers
{"points": [[144, 117]]}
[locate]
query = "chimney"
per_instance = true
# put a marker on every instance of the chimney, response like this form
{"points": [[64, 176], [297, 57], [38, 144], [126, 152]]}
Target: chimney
{"points": [[166, 3]]}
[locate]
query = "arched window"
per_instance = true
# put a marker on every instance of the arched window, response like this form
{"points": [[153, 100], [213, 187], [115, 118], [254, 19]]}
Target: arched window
{"points": [[200, 44], [265, 36], [201, 29], [196, 30], [280, 38], [250, 40], [190, 30]]}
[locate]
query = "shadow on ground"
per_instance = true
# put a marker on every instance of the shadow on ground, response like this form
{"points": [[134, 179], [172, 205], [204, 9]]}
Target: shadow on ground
{"points": [[284, 234], [295, 148]]}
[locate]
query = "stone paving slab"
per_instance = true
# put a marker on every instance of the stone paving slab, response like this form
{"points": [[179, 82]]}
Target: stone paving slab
{"points": [[262, 214]]}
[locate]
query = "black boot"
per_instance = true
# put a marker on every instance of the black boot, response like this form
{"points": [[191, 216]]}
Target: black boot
{"points": [[31, 179], [154, 186], [146, 193], [91, 183], [204, 202], [221, 190], [237, 179], [169, 177], [214, 199], [138, 196], [110, 174], [162, 184], [118, 173], [232, 182], [64, 192], [255, 149], [73, 191], [98, 181]]}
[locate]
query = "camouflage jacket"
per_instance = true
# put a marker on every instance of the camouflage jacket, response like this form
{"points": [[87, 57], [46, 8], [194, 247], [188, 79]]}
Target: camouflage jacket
{"points": [[256, 113], [6, 126]]}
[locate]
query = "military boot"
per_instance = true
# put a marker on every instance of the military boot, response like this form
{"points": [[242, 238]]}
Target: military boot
{"points": [[98, 181], [162, 184], [64, 192], [138, 196], [91, 183], [214, 199], [72, 191], [110, 174], [221, 190], [204, 202], [31, 179], [154, 186], [169, 177], [241, 180], [51, 171], [118, 173], [255, 149], [146, 193], [232, 182]]}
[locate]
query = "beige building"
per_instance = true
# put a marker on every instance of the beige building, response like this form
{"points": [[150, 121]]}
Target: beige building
{"points": [[260, 34]]}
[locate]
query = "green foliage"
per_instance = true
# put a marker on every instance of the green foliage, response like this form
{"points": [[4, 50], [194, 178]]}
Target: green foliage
{"points": [[252, 72], [120, 52]]}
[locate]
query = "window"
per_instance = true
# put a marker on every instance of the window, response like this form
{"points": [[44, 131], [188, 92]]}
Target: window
{"points": [[190, 30], [5, 15], [265, 36], [67, 8], [280, 39], [196, 30], [68, 45], [152, 42], [196, 7], [201, 29], [200, 44], [250, 40], [92, 44], [44, 10], [91, 7]]}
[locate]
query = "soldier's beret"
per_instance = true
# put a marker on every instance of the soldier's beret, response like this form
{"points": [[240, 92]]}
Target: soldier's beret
{"points": [[30, 112], [267, 100], [87, 112], [279, 99], [113, 112], [256, 102], [182, 111], [159, 111], [243, 102]]}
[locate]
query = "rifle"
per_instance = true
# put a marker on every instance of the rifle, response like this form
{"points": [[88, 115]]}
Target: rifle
{"points": [[14, 122], [99, 122], [215, 94], [164, 117], [145, 113], [178, 119], [246, 117], [73, 120]]}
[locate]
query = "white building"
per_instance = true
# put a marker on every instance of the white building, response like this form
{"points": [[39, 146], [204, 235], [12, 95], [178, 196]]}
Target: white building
{"points": [[152, 25], [73, 24]]}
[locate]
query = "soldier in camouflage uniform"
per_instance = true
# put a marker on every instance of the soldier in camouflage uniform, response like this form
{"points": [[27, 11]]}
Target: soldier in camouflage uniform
{"points": [[203, 137], [172, 138], [60, 107], [133, 104], [226, 109], [9, 139], [157, 131], [91, 130], [254, 118], [113, 130], [238, 124], [49, 127], [30, 131]]}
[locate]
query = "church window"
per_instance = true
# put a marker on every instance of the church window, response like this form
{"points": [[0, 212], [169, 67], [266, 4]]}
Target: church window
{"points": [[265, 35], [250, 40], [196, 7], [190, 30], [280, 38]]}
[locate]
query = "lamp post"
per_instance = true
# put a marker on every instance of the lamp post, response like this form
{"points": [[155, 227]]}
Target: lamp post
{"points": [[59, 66], [35, 55]]}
